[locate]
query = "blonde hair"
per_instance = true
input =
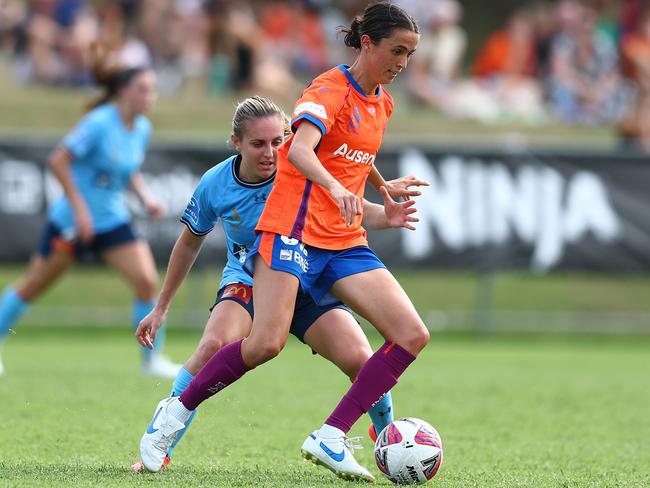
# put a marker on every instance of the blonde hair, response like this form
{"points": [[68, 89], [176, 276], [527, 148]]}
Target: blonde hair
{"points": [[257, 107]]}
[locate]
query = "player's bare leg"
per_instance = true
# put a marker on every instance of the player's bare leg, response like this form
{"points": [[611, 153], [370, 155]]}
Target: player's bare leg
{"points": [[135, 263], [41, 274]]}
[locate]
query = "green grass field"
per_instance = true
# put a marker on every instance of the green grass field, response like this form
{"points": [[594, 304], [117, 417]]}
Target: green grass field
{"points": [[513, 410], [511, 413]]}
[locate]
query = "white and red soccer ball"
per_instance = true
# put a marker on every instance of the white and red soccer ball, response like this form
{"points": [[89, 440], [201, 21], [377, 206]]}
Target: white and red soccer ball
{"points": [[408, 451]]}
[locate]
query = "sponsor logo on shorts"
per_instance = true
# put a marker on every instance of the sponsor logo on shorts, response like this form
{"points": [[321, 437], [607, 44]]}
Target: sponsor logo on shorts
{"points": [[286, 254], [240, 292], [289, 241], [300, 261]]}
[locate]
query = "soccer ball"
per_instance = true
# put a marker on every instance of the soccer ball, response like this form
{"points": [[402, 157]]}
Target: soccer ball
{"points": [[408, 451]]}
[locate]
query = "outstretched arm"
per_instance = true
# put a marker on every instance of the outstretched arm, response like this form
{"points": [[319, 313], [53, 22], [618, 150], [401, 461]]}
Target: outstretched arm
{"points": [[182, 258]]}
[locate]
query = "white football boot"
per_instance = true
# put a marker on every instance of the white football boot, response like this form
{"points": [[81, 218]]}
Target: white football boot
{"points": [[2, 368], [158, 365], [335, 453], [161, 433]]}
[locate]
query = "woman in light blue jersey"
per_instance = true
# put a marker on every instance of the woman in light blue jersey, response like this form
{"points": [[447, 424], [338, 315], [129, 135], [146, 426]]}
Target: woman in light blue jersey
{"points": [[234, 192], [96, 163]]}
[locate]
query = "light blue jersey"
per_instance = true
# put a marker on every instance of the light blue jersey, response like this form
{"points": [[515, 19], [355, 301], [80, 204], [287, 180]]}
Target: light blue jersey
{"points": [[106, 154], [221, 195]]}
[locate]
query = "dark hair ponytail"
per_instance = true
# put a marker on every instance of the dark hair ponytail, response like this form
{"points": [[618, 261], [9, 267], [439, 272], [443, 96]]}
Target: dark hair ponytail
{"points": [[378, 21], [352, 36], [110, 79]]}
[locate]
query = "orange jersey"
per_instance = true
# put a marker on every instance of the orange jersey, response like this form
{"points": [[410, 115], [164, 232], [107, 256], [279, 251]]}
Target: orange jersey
{"points": [[352, 125]]}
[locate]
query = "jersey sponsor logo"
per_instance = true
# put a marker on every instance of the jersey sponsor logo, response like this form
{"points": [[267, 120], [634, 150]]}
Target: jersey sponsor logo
{"points": [[311, 107], [240, 292], [355, 155]]}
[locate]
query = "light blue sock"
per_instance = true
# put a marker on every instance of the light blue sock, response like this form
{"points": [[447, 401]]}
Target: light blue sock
{"points": [[381, 412], [140, 310], [183, 379], [12, 308]]}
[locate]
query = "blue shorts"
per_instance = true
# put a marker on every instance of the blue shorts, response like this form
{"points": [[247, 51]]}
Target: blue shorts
{"points": [[317, 269], [53, 239], [305, 313]]}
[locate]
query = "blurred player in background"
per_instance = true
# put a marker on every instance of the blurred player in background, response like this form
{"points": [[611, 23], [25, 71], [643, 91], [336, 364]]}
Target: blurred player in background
{"points": [[95, 164], [235, 191], [310, 236]]}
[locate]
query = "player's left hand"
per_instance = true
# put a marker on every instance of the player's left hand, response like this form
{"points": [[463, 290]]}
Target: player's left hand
{"points": [[148, 327], [400, 187], [156, 209], [398, 214]]}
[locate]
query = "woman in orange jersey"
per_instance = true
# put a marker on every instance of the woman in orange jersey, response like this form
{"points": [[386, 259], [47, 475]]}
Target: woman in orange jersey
{"points": [[310, 236]]}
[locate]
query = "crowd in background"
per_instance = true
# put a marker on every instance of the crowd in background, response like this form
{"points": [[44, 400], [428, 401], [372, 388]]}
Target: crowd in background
{"points": [[576, 61]]}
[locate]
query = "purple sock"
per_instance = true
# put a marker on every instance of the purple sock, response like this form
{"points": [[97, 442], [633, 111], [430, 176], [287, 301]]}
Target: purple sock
{"points": [[224, 368], [378, 376]]}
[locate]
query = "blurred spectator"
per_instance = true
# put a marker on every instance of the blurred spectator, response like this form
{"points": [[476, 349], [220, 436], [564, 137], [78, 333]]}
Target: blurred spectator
{"points": [[248, 56], [504, 86], [230, 46], [585, 85], [292, 44], [274, 47], [635, 51], [545, 27], [12, 13], [117, 33], [607, 18], [433, 73]]}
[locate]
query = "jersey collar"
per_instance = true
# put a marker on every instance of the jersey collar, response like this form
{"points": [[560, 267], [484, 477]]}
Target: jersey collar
{"points": [[236, 163], [345, 70]]}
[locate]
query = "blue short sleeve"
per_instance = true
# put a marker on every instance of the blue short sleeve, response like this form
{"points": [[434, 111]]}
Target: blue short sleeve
{"points": [[199, 215], [83, 138]]}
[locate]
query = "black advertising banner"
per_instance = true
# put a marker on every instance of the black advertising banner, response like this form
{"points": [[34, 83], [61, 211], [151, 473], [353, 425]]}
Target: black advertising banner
{"points": [[486, 210]]}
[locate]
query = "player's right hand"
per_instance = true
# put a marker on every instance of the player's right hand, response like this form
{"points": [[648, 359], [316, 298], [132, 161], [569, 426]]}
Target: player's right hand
{"points": [[84, 224], [349, 203], [148, 327]]}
